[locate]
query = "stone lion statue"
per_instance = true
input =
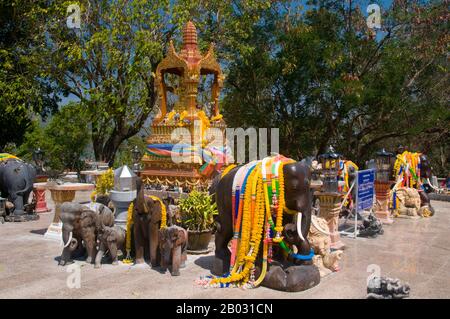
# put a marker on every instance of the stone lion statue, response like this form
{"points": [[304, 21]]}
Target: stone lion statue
{"points": [[319, 239], [408, 203]]}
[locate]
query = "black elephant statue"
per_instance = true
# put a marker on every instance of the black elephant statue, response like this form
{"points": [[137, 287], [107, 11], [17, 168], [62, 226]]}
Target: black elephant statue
{"points": [[298, 201], [426, 174], [16, 185], [173, 248], [147, 217], [82, 223], [110, 239]]}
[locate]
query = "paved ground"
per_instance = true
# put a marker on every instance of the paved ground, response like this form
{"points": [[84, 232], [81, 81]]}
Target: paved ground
{"points": [[417, 251]]}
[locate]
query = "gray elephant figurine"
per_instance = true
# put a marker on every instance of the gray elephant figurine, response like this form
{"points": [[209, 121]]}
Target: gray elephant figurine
{"points": [[82, 223], [113, 240], [173, 248], [16, 183]]}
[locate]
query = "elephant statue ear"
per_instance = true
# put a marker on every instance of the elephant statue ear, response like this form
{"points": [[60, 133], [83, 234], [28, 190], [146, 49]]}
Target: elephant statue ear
{"points": [[87, 217], [180, 237]]}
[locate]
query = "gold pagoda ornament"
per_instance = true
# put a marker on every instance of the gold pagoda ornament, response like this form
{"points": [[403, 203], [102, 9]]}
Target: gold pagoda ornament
{"points": [[181, 73]]}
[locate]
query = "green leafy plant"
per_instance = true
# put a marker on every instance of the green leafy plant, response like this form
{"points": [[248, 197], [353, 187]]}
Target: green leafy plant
{"points": [[197, 211]]}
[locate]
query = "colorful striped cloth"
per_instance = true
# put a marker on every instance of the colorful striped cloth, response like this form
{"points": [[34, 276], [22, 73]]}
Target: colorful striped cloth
{"points": [[6, 156], [214, 157]]}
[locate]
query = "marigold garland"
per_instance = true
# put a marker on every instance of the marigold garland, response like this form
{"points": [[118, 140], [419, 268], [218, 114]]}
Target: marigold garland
{"points": [[254, 222], [163, 211], [227, 170], [128, 259]]}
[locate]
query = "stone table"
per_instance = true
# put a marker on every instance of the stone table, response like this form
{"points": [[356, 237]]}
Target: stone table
{"points": [[60, 194]]}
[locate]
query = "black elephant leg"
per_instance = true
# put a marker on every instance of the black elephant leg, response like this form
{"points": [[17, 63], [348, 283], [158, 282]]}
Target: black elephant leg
{"points": [[222, 253], [18, 204]]}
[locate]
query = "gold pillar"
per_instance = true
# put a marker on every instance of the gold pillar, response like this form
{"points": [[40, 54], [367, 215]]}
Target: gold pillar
{"points": [[330, 204]]}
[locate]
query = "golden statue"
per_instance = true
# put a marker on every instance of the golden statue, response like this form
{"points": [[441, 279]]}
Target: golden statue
{"points": [[184, 72]]}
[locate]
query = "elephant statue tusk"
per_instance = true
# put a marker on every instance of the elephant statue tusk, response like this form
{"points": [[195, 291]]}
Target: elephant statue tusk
{"points": [[316, 225], [69, 240], [299, 226]]}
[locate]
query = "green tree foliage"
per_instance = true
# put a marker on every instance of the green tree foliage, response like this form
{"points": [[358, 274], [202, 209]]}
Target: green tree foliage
{"points": [[63, 139], [108, 63], [320, 75], [23, 92]]}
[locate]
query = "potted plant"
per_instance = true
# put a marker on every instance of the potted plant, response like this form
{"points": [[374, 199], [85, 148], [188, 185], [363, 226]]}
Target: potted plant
{"points": [[197, 216]]}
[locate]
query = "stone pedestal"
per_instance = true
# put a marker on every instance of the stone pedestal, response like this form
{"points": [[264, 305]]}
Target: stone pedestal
{"points": [[54, 231], [382, 190], [330, 204], [121, 201], [60, 194], [39, 193]]}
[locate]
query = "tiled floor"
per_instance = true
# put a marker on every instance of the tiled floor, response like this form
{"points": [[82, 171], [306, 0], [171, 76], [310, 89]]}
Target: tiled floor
{"points": [[416, 251]]}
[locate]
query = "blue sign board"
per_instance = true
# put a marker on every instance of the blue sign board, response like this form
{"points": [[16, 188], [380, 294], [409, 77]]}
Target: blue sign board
{"points": [[365, 189]]}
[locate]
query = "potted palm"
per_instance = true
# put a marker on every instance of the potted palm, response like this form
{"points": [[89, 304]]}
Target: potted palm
{"points": [[197, 216]]}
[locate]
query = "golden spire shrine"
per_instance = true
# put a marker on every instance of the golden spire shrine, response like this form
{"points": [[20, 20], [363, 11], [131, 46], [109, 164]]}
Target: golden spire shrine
{"points": [[180, 74]]}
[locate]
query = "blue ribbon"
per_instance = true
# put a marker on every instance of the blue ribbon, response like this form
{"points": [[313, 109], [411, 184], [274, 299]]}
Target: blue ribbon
{"points": [[304, 257]]}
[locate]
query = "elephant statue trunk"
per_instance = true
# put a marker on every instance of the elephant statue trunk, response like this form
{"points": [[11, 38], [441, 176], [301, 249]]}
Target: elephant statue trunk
{"points": [[70, 244]]}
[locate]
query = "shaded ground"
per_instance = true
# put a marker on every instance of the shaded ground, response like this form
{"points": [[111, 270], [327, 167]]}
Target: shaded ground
{"points": [[417, 251]]}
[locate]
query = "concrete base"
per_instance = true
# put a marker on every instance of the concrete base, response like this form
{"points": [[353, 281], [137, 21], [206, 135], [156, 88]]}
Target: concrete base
{"points": [[54, 232], [382, 190], [384, 217]]}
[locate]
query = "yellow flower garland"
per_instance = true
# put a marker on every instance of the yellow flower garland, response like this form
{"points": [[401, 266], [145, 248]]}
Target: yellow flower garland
{"points": [[93, 194], [227, 170], [251, 233], [216, 117], [256, 213], [128, 259]]}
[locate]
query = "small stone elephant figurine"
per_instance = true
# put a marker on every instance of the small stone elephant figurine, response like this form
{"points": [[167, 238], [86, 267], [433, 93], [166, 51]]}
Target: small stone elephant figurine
{"points": [[173, 248], [112, 239]]}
